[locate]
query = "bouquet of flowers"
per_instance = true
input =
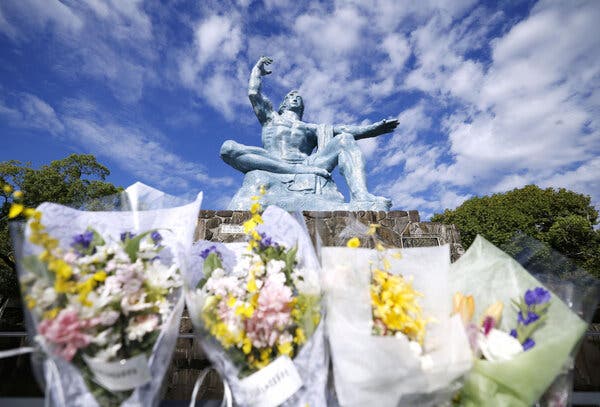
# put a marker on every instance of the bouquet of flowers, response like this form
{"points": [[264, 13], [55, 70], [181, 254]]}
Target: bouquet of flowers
{"points": [[523, 333], [104, 290], [257, 308], [393, 341]]}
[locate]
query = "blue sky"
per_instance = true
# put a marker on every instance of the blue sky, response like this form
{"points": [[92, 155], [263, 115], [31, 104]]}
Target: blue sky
{"points": [[490, 95]]}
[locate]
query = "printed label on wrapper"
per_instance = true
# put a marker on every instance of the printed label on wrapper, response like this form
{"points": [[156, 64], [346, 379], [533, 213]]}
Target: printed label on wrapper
{"points": [[125, 374], [272, 385]]}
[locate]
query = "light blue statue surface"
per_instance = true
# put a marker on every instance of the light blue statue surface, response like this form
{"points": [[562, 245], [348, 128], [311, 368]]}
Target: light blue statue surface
{"points": [[297, 158]]}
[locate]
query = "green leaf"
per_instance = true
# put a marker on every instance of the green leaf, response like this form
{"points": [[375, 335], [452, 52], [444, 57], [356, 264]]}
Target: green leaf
{"points": [[132, 246], [34, 265]]}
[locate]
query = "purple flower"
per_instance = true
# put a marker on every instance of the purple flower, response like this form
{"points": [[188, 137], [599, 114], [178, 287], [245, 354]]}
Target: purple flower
{"points": [[127, 235], [83, 240], [513, 333], [528, 344], [212, 249], [531, 317], [156, 237], [266, 241], [536, 296]]}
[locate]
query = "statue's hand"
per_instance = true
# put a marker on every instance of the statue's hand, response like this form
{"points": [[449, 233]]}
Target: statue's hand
{"points": [[261, 65], [387, 126]]}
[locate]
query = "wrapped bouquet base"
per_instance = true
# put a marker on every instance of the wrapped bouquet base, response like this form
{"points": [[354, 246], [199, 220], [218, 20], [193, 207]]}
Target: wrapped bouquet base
{"points": [[104, 294], [257, 308], [384, 370], [490, 275]]}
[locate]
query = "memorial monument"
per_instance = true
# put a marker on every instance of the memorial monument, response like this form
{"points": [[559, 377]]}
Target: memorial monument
{"points": [[297, 158]]}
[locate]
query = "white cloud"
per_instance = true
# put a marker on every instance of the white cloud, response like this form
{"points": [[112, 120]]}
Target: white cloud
{"points": [[209, 66], [32, 113], [137, 154], [107, 40], [138, 150], [530, 116]]}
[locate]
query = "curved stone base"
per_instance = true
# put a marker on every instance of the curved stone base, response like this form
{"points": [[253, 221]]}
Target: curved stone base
{"points": [[293, 192]]}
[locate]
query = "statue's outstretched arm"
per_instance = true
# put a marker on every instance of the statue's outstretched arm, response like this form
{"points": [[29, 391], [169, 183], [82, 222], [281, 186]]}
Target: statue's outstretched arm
{"points": [[261, 105], [370, 130]]}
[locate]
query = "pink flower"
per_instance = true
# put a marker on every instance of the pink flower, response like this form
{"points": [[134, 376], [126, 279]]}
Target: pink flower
{"points": [[272, 315], [66, 333]]}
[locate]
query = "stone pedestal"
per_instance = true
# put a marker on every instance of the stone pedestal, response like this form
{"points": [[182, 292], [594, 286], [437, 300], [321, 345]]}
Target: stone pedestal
{"points": [[398, 228]]}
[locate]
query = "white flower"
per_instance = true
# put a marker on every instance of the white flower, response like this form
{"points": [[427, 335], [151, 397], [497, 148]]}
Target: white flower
{"points": [[258, 268], [108, 353], [108, 318], [217, 273], [44, 295], [277, 278], [141, 325], [105, 337], [498, 346], [306, 282], [160, 275], [275, 266], [135, 302], [284, 338], [96, 258], [70, 257]]}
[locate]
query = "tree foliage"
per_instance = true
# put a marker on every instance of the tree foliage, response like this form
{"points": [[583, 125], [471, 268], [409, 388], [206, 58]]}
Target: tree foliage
{"points": [[72, 181], [561, 218]]}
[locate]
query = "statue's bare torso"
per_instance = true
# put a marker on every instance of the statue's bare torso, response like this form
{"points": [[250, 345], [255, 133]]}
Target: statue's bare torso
{"points": [[288, 139]]}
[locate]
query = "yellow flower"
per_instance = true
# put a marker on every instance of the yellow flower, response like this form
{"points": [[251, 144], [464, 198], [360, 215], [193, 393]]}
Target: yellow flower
{"points": [[61, 268], [255, 208], [251, 286], [100, 276], [51, 314], [231, 302], [18, 194], [394, 302], [265, 354], [30, 301], [245, 310], [262, 190], [353, 243], [15, 210], [247, 345], [285, 348], [7, 188], [464, 305], [249, 225], [300, 337]]}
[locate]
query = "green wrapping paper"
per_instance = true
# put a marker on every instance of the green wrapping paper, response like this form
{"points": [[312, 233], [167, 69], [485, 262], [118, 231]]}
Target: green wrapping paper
{"points": [[489, 275]]}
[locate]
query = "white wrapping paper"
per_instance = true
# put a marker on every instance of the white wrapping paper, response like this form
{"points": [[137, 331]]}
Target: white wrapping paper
{"points": [[311, 362], [383, 371], [146, 209]]}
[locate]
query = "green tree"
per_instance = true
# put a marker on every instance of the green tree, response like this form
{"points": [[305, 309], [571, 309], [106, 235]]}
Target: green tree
{"points": [[561, 218], [73, 181]]}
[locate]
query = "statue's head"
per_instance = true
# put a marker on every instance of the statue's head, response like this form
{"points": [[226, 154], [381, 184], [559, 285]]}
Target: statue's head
{"points": [[292, 101]]}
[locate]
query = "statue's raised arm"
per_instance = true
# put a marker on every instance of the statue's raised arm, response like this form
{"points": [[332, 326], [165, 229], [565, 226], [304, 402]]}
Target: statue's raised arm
{"points": [[261, 105], [371, 130]]}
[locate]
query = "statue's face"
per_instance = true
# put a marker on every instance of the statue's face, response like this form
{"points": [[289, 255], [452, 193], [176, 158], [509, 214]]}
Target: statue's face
{"points": [[292, 101]]}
